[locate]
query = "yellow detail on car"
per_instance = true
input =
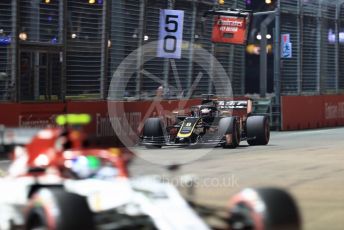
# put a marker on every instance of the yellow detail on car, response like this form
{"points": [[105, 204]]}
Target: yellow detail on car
{"points": [[187, 123]]}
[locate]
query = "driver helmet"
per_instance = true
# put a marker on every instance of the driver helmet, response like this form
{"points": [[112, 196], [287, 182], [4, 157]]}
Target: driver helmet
{"points": [[85, 166], [205, 112]]}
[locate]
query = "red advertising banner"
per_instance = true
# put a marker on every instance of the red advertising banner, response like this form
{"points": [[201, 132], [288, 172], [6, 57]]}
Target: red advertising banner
{"points": [[230, 29], [298, 112], [309, 112], [41, 115]]}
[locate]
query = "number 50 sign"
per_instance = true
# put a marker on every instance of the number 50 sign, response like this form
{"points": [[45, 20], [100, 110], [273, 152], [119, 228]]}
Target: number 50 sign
{"points": [[171, 34]]}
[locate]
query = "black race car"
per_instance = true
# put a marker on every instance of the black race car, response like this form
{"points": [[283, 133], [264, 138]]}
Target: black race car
{"points": [[214, 122]]}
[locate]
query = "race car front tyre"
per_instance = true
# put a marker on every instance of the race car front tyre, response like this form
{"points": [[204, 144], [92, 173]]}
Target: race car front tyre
{"points": [[56, 209], [258, 130], [153, 129], [229, 126], [266, 209]]}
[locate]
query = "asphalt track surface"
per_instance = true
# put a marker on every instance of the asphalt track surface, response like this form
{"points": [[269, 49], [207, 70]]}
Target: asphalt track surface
{"points": [[309, 164]]}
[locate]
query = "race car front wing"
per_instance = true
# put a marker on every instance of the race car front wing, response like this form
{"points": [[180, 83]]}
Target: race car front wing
{"points": [[167, 141]]}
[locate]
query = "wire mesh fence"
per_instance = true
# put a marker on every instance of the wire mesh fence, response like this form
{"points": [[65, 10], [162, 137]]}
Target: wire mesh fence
{"points": [[175, 76], [316, 33], [70, 49], [7, 48], [84, 49], [39, 21]]}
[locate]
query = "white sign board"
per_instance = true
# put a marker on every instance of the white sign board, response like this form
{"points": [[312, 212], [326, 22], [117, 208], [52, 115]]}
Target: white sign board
{"points": [[286, 46], [170, 34]]}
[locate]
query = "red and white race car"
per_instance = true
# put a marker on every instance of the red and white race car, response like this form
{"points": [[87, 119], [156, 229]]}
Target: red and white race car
{"points": [[56, 183]]}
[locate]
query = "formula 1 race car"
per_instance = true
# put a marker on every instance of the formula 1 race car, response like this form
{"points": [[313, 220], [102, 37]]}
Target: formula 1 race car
{"points": [[214, 122], [56, 183]]}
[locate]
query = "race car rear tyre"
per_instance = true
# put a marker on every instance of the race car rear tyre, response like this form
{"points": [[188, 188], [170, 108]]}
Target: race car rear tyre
{"points": [[258, 130], [153, 128], [229, 126], [56, 209], [266, 208]]}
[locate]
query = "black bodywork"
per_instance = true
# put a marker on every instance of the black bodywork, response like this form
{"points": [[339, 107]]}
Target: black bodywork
{"points": [[195, 129], [217, 123]]}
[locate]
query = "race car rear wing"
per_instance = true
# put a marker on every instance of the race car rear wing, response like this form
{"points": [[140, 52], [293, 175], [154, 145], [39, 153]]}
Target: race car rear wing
{"points": [[224, 105], [242, 105], [256, 107]]}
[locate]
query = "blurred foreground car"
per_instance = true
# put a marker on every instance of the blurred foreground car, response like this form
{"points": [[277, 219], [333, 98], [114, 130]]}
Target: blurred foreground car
{"points": [[56, 183], [215, 122]]}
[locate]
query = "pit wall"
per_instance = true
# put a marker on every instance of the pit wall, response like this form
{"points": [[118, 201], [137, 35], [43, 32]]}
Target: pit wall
{"points": [[309, 112]]}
